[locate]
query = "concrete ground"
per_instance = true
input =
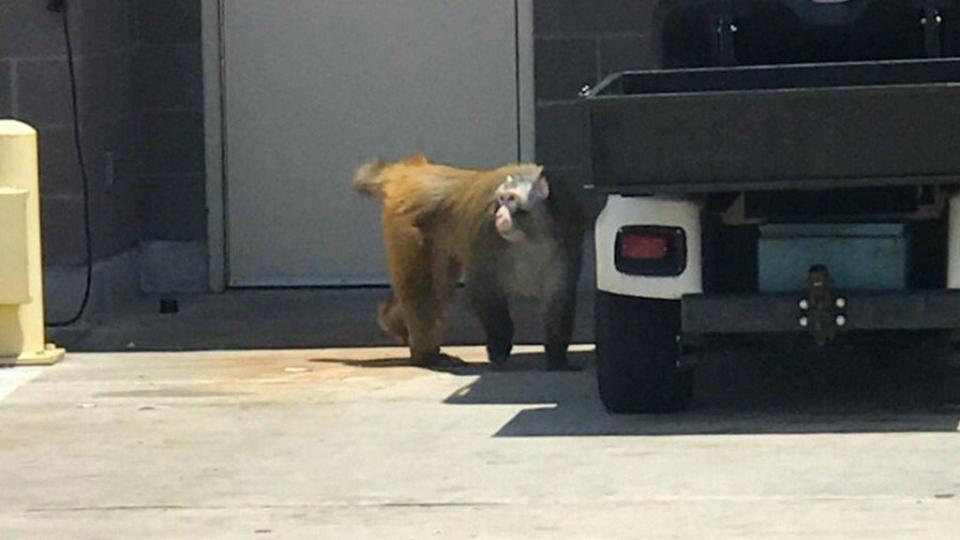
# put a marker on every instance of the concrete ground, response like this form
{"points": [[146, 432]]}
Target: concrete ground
{"points": [[353, 443]]}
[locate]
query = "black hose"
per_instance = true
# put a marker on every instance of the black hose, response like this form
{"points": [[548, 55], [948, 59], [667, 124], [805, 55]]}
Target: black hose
{"points": [[88, 243]]}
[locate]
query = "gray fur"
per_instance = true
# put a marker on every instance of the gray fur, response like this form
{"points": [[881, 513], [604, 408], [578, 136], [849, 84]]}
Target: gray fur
{"points": [[543, 264]]}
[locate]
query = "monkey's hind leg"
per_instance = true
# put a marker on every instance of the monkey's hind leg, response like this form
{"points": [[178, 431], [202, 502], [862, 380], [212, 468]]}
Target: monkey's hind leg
{"points": [[424, 307], [409, 255], [390, 319], [421, 314]]}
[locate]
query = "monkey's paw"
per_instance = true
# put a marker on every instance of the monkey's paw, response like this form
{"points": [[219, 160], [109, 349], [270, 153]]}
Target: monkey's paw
{"points": [[498, 360]]}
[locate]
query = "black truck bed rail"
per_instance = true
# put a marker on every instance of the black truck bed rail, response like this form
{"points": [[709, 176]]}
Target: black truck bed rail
{"points": [[800, 126]]}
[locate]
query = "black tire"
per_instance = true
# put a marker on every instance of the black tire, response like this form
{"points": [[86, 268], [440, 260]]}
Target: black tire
{"points": [[637, 354]]}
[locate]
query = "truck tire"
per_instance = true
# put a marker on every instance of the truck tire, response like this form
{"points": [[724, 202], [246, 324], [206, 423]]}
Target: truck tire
{"points": [[637, 354]]}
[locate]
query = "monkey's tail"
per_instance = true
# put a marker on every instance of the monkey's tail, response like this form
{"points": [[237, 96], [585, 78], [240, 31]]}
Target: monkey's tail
{"points": [[368, 179]]}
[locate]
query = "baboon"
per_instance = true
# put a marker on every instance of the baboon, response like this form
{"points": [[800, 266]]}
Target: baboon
{"points": [[501, 230]]}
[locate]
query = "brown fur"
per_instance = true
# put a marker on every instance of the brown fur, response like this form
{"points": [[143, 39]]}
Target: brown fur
{"points": [[435, 220]]}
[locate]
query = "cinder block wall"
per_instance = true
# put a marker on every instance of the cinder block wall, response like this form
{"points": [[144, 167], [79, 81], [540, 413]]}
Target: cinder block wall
{"points": [[141, 116], [33, 58], [578, 43], [34, 87], [169, 82]]}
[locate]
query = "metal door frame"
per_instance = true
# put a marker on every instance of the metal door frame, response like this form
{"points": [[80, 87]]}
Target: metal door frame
{"points": [[215, 119]]}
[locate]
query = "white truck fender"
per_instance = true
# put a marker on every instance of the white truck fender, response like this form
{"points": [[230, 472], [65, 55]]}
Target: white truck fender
{"points": [[621, 211]]}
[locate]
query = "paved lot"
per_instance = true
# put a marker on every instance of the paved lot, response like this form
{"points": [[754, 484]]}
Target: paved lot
{"points": [[354, 444]]}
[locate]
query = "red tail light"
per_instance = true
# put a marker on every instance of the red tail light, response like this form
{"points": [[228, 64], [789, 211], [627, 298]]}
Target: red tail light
{"points": [[650, 250], [644, 247]]}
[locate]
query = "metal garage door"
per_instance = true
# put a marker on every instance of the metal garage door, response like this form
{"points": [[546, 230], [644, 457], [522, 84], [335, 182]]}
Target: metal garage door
{"points": [[314, 88]]}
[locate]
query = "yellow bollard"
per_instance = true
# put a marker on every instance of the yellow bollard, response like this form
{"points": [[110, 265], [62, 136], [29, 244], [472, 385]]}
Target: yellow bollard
{"points": [[22, 333]]}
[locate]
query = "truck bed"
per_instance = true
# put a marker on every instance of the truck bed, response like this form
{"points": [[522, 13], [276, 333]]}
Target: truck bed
{"points": [[801, 126]]}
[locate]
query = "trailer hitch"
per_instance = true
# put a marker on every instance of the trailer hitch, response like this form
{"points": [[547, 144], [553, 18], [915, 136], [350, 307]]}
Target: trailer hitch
{"points": [[821, 312], [932, 23]]}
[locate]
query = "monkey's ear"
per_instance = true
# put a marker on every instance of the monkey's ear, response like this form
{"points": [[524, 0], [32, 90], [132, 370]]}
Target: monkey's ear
{"points": [[541, 187]]}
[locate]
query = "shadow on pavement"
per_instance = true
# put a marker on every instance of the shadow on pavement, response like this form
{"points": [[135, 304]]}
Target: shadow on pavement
{"points": [[739, 390], [790, 391]]}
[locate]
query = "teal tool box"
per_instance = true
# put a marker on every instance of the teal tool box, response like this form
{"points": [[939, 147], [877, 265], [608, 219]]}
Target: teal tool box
{"points": [[860, 256]]}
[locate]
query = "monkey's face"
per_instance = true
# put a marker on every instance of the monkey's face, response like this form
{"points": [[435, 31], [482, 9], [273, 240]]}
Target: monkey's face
{"points": [[517, 199]]}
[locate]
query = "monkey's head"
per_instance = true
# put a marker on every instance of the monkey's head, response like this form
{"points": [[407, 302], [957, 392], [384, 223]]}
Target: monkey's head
{"points": [[519, 198]]}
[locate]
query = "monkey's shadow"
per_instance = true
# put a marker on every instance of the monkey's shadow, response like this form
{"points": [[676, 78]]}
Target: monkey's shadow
{"points": [[519, 362]]}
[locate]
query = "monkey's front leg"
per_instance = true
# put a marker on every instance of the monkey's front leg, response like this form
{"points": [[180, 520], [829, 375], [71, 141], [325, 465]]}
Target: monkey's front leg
{"points": [[559, 309], [492, 308]]}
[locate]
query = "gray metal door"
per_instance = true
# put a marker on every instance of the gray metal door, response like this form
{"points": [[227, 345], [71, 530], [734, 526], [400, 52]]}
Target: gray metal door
{"points": [[314, 88]]}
